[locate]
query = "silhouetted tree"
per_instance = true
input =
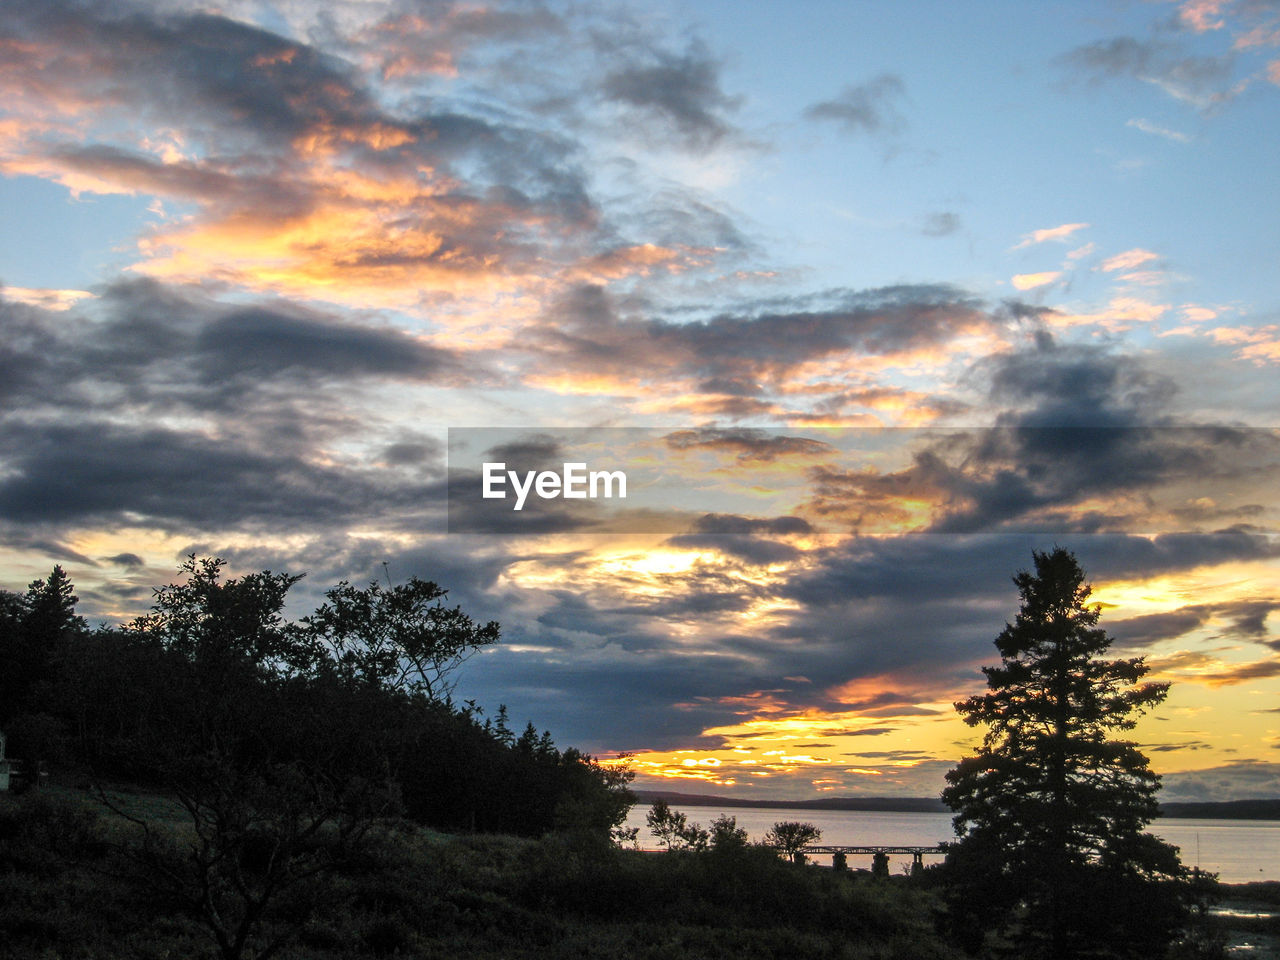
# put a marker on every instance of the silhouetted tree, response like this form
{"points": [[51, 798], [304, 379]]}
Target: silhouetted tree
{"points": [[402, 639], [1050, 813], [260, 844], [37, 630], [268, 761], [726, 835], [673, 829], [226, 627], [788, 836]]}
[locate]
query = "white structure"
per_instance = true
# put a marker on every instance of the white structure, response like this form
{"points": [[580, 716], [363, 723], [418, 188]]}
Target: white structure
{"points": [[4, 765]]}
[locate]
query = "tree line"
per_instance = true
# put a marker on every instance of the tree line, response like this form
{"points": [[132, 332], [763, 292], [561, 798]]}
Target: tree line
{"points": [[359, 691], [286, 744]]}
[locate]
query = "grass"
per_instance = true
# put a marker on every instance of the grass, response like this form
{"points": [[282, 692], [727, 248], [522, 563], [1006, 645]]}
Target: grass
{"points": [[66, 891]]}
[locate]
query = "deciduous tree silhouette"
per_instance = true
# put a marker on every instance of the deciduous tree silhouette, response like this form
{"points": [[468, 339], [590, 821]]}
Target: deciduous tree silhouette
{"points": [[1052, 858], [673, 829], [402, 638], [788, 836], [727, 836], [251, 869]]}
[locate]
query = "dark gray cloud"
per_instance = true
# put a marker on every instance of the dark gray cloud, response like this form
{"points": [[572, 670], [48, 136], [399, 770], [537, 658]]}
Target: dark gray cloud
{"points": [[129, 560], [735, 524], [590, 330], [264, 87], [1060, 385], [262, 344], [1245, 622], [28, 539], [534, 452], [1204, 82], [870, 107], [146, 343], [925, 609], [102, 472], [940, 224], [747, 445], [752, 550], [678, 94], [1247, 780], [745, 539], [1077, 423], [651, 704], [412, 452]]}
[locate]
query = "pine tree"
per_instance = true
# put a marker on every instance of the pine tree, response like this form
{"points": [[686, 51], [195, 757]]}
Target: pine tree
{"points": [[1052, 859], [37, 630]]}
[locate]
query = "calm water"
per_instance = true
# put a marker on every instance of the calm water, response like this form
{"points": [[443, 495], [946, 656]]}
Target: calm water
{"points": [[1238, 850]]}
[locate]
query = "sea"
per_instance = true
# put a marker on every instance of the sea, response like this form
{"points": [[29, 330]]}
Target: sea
{"points": [[1239, 851]]}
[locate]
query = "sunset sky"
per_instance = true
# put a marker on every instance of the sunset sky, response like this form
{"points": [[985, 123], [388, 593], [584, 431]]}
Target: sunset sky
{"points": [[872, 300]]}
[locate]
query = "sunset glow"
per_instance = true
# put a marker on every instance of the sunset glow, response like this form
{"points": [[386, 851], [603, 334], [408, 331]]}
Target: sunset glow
{"points": [[866, 313]]}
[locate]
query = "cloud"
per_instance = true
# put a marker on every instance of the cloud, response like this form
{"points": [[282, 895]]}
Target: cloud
{"points": [[97, 472], [1200, 15], [941, 224], [870, 107], [47, 299], [128, 560], [1259, 344], [676, 95], [1029, 281], [420, 41], [1049, 233], [753, 349], [1204, 82], [302, 181], [1083, 443], [1146, 126], [262, 343], [747, 445], [720, 523], [1128, 260], [1247, 780], [144, 345], [1235, 620]]}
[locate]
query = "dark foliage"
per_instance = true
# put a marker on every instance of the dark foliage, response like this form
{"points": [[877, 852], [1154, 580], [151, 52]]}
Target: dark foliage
{"points": [[788, 836], [416, 893], [286, 745]]}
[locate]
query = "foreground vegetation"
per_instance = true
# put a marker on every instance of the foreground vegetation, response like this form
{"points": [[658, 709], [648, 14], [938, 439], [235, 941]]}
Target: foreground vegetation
{"points": [[69, 888]]}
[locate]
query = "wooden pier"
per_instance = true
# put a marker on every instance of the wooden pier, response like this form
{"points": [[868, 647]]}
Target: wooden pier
{"points": [[879, 854]]}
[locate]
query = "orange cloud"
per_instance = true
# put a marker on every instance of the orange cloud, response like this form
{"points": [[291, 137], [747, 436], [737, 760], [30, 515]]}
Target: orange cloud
{"points": [[1121, 314], [1029, 281], [1049, 233], [1197, 314], [1259, 344], [1127, 260]]}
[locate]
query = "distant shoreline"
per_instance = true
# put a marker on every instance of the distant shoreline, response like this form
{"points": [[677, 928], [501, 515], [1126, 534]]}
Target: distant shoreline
{"points": [[1198, 810]]}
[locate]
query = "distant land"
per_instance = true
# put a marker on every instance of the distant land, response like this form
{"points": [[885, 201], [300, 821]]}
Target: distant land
{"points": [[1198, 810]]}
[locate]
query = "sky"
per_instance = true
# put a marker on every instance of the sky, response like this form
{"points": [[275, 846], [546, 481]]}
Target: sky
{"points": [[870, 301]]}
